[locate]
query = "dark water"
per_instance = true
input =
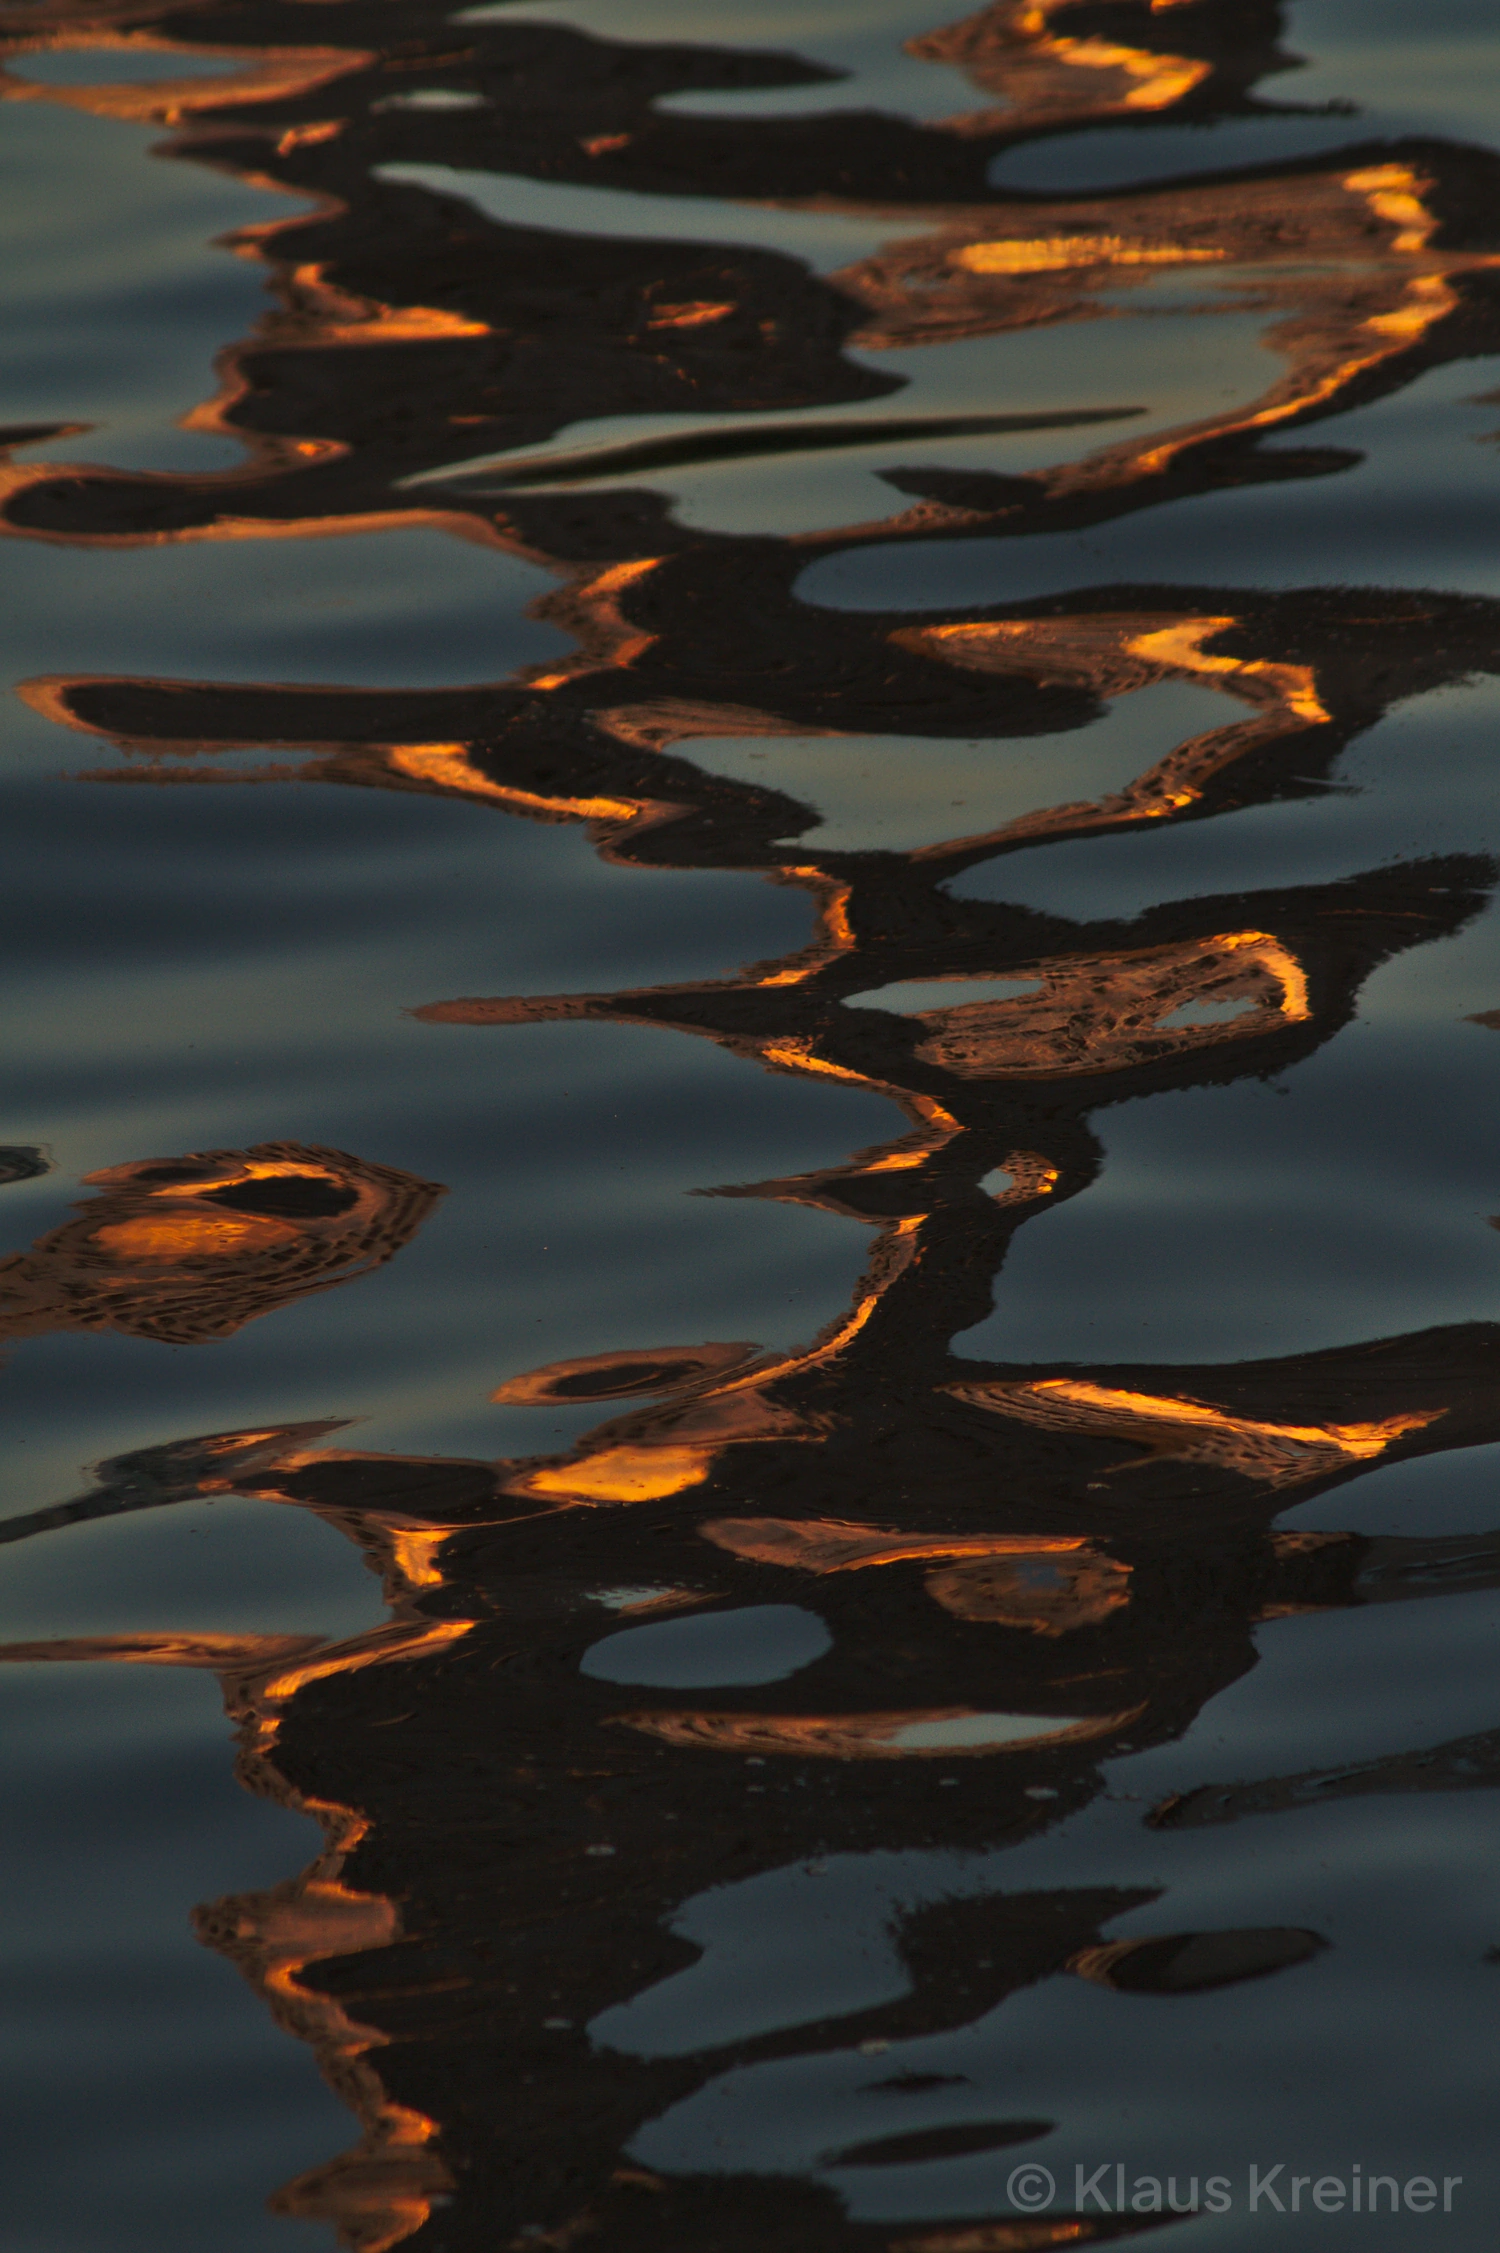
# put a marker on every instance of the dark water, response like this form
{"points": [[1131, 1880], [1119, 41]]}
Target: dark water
{"points": [[875, 1629]]}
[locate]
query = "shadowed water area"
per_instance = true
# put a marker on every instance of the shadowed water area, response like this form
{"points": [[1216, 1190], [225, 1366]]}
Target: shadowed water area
{"points": [[750, 1291]]}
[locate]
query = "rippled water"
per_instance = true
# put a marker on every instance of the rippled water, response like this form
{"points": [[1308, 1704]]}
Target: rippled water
{"points": [[809, 1637]]}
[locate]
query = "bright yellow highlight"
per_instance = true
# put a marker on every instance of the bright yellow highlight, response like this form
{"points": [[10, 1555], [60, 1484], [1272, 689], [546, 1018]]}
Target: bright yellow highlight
{"points": [[1162, 79], [413, 1551], [192, 1236], [1180, 646], [1361, 1441], [1393, 192], [621, 575], [1428, 299], [366, 320], [825, 1545], [1282, 965], [374, 1649], [448, 765], [1056, 253], [216, 1652], [691, 316], [797, 1056], [623, 1474], [838, 933]]}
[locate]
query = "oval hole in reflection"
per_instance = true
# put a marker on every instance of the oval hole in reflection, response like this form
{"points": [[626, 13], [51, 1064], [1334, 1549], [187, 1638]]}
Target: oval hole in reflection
{"points": [[758, 1643]]}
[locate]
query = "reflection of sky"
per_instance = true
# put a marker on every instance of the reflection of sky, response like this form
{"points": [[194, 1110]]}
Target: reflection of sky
{"points": [[1190, 2083], [1165, 366], [162, 2099], [183, 1001], [117, 66], [226, 1564], [1350, 1199], [1173, 367], [1296, 2067], [1424, 495], [1431, 1495], [225, 965], [908, 995], [1149, 155], [114, 295], [751, 1643], [823, 239], [1430, 70], [896, 792], [1421, 781], [865, 42], [409, 608]]}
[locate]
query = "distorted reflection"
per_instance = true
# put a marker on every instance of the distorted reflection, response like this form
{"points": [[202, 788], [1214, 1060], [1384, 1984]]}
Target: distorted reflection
{"points": [[188, 1249], [513, 1832]]}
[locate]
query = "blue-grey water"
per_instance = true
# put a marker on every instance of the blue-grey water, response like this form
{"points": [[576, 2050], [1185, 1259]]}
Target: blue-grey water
{"points": [[749, 1272]]}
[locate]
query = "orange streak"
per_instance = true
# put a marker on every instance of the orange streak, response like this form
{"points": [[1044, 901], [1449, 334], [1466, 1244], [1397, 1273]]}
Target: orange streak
{"points": [[621, 1474], [449, 764], [825, 1545], [856, 1736]]}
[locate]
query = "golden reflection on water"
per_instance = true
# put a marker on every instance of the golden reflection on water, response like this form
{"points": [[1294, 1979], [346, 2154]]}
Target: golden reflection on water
{"points": [[936, 1733], [383, 2190], [680, 637], [264, 74], [1044, 1584], [192, 1248], [1275, 1455], [1049, 76]]}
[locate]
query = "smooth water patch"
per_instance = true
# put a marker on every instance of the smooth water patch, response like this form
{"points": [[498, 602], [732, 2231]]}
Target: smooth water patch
{"points": [[1424, 1499], [1420, 493], [1335, 1688], [383, 900], [759, 1643], [823, 239], [1420, 782], [909, 996], [150, 2099], [178, 1001], [1297, 2068], [1148, 156], [117, 66], [1426, 73], [1161, 369], [899, 792], [220, 1565], [411, 607], [864, 47], [1351, 1200], [779, 1949], [116, 289]]}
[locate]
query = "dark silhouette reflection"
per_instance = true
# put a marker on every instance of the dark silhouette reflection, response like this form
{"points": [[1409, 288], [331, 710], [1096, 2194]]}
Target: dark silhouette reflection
{"points": [[1019, 1565], [22, 1162], [510, 1837]]}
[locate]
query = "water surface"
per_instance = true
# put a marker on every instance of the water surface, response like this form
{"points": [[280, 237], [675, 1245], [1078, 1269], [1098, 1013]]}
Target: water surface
{"points": [[750, 1266]]}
